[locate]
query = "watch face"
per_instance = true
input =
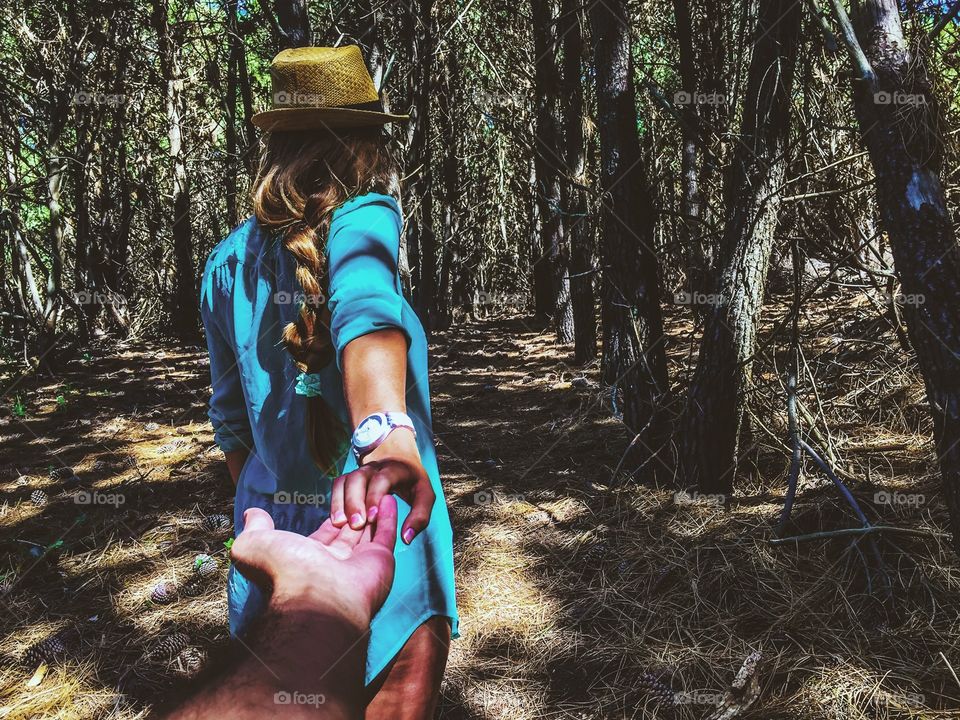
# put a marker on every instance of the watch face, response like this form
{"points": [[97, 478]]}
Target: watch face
{"points": [[369, 431]]}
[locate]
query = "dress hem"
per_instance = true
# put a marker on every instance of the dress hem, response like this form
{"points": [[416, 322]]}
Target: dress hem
{"points": [[398, 646]]}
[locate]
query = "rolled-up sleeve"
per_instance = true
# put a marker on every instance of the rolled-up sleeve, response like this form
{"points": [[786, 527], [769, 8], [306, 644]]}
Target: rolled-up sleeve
{"points": [[228, 409], [363, 252]]}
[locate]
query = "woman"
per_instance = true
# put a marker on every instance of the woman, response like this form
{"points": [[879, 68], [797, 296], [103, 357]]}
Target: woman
{"points": [[320, 396]]}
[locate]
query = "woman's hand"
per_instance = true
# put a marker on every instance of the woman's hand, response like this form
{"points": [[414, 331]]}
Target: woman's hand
{"points": [[394, 467]]}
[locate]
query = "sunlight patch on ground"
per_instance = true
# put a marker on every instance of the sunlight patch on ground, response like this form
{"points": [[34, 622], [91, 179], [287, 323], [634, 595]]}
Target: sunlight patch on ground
{"points": [[495, 590]]}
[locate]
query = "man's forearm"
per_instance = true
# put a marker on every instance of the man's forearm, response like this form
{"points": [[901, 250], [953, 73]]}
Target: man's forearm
{"points": [[305, 661]]}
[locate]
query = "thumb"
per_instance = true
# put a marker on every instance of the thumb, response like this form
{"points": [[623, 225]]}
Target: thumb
{"points": [[420, 510], [256, 519], [249, 551]]}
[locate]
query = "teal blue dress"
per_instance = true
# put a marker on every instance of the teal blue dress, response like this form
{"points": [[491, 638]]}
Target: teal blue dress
{"points": [[249, 293]]}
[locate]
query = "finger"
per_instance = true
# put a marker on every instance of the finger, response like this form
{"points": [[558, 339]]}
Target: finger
{"points": [[420, 510], [345, 541], [337, 515], [379, 486], [256, 519], [386, 534], [354, 493], [326, 533]]}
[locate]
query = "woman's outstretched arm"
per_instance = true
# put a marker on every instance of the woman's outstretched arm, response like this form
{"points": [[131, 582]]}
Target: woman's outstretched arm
{"points": [[374, 380], [366, 325]]}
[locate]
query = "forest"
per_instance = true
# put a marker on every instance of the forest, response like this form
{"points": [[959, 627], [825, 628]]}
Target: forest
{"points": [[690, 276]]}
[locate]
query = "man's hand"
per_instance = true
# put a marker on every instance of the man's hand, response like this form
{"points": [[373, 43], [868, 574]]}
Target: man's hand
{"points": [[342, 571], [326, 588], [393, 467]]}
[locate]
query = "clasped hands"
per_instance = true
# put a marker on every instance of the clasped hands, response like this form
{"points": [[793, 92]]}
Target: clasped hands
{"points": [[393, 467]]}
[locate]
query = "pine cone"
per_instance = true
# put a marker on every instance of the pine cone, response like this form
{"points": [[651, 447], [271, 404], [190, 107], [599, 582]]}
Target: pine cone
{"points": [[656, 688], [747, 670], [204, 566], [216, 523], [169, 646], [164, 592], [193, 587], [48, 650], [597, 553], [7, 583], [38, 497], [189, 662], [61, 473]]}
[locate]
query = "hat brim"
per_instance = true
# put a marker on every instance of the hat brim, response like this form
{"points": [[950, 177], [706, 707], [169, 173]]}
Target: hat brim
{"points": [[311, 118]]}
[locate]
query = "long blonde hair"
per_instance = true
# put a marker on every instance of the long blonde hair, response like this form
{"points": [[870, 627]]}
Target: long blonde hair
{"points": [[302, 178]]}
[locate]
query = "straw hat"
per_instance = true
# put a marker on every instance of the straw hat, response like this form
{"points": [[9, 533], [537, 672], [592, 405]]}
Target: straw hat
{"points": [[322, 87]]}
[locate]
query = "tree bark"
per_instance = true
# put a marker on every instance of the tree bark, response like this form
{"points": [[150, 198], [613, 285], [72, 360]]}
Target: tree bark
{"points": [[293, 23], [53, 302], [634, 362], [691, 204], [28, 295], [901, 127], [570, 29], [364, 30], [420, 237], [450, 254], [717, 398], [553, 276], [185, 318], [235, 58]]}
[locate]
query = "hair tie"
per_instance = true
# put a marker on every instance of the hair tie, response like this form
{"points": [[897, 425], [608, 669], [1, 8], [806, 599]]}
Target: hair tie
{"points": [[308, 384]]}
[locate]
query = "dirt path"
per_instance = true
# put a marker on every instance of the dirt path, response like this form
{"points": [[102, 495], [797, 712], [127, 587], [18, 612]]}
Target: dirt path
{"points": [[579, 597]]}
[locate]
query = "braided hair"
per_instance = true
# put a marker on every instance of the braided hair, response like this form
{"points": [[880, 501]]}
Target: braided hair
{"points": [[302, 178]]}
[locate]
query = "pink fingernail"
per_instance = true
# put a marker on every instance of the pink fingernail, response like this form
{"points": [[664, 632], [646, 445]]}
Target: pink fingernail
{"points": [[339, 517], [356, 520], [408, 535], [372, 513]]}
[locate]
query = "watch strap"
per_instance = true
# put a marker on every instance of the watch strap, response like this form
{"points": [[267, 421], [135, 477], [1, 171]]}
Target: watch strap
{"points": [[395, 419]]}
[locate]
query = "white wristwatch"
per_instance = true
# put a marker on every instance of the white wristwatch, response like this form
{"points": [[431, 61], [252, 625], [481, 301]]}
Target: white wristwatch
{"points": [[373, 430]]}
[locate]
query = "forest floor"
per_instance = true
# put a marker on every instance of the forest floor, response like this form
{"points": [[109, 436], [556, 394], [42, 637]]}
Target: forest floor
{"points": [[581, 595]]}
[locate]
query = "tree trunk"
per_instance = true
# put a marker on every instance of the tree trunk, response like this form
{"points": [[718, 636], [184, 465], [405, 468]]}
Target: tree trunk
{"points": [[717, 399], [712, 54], [634, 362], [450, 254], [570, 28], [28, 295], [246, 99], [116, 270], [185, 319], [691, 205], [293, 23], [84, 176], [53, 303], [554, 277], [420, 237], [901, 127], [230, 105], [365, 32]]}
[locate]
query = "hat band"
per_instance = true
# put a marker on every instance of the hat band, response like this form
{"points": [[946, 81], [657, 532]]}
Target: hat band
{"points": [[373, 106]]}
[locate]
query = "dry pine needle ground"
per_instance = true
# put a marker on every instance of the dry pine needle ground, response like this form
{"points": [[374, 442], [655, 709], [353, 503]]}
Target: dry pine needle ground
{"points": [[581, 596]]}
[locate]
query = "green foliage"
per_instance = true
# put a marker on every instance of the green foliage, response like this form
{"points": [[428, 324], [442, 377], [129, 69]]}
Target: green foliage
{"points": [[19, 407], [64, 393]]}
